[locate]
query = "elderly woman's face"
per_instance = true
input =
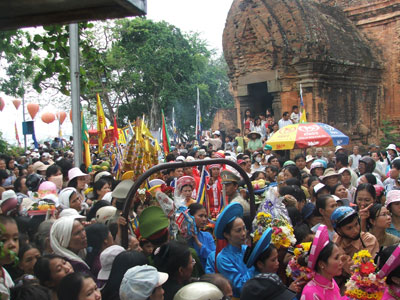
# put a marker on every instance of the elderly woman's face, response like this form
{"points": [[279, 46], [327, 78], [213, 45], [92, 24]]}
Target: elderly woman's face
{"points": [[78, 238]]}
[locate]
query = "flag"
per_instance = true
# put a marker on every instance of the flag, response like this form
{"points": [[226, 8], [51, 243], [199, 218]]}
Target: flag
{"points": [[165, 137], [101, 123], [198, 118], [201, 192], [174, 125], [16, 134], [115, 132], [303, 115], [86, 149]]}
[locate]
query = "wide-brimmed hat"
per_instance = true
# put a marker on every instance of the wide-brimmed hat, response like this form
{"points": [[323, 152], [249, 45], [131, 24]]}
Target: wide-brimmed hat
{"points": [[122, 189], [107, 257], [254, 132], [230, 213], [392, 196], [151, 221], [321, 239], [262, 245], [391, 147], [76, 172], [330, 172]]}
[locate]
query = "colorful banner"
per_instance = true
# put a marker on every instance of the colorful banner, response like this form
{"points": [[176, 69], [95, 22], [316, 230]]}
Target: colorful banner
{"points": [[109, 137]]}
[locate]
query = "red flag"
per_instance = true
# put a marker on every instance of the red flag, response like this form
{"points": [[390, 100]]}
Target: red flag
{"points": [[165, 137], [116, 136], [16, 134]]}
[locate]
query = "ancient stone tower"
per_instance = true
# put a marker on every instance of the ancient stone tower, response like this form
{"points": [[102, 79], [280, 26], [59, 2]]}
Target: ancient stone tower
{"points": [[344, 53]]}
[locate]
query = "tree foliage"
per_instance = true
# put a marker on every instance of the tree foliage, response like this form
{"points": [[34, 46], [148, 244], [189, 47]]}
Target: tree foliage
{"points": [[148, 65]]}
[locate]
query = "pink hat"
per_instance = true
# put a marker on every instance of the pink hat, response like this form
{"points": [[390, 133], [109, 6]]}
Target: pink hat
{"points": [[392, 263], [392, 196], [76, 172], [46, 188], [185, 180], [321, 239]]}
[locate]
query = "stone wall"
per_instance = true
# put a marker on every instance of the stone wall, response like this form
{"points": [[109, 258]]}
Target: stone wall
{"points": [[345, 54]]}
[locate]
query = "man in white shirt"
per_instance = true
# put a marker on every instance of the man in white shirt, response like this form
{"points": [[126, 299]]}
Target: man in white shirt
{"points": [[354, 159], [285, 120]]}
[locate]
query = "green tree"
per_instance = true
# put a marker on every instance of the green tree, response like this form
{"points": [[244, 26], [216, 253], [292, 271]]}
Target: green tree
{"points": [[390, 136]]}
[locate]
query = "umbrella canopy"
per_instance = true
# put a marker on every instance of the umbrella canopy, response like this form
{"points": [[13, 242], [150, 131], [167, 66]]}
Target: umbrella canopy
{"points": [[305, 135]]}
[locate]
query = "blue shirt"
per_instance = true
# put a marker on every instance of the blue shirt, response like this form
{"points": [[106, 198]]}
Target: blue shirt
{"points": [[230, 264], [208, 246], [393, 230], [210, 265]]}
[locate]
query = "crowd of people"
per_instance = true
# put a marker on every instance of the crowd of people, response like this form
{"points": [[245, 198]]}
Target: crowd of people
{"points": [[63, 238]]}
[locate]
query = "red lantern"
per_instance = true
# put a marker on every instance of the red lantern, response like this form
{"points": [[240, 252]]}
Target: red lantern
{"points": [[48, 117], [2, 104], [61, 116], [16, 103], [33, 109]]}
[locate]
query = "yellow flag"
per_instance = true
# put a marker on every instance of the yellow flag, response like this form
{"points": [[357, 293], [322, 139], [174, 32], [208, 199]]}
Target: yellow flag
{"points": [[101, 124]]}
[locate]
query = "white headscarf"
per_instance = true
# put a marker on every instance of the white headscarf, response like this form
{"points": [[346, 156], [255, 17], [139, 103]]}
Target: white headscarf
{"points": [[64, 196], [60, 236]]}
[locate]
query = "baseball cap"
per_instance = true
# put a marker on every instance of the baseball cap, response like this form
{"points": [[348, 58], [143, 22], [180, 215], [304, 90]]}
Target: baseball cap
{"points": [[139, 282], [39, 166], [106, 260]]}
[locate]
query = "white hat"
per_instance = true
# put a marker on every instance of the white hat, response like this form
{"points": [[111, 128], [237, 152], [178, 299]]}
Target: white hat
{"points": [[71, 212], [105, 214], [338, 148], [189, 158], [76, 172], [216, 132], [9, 194], [342, 170], [180, 158], [102, 174], [106, 260], [139, 282], [391, 147], [309, 158]]}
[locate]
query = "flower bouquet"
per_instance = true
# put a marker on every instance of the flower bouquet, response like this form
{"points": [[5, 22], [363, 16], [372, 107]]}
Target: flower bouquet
{"points": [[363, 283], [294, 269], [282, 235]]}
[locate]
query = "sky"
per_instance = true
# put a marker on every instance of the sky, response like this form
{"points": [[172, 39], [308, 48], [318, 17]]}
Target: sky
{"points": [[206, 17]]}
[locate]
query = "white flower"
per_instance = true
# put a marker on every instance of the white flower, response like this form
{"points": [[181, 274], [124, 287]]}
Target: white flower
{"points": [[372, 277]]}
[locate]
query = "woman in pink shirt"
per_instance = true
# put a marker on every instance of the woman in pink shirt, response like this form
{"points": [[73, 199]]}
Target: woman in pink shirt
{"points": [[324, 259]]}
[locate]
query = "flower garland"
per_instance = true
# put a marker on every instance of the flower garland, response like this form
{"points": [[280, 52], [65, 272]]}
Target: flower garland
{"points": [[294, 269], [363, 283], [282, 235]]}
